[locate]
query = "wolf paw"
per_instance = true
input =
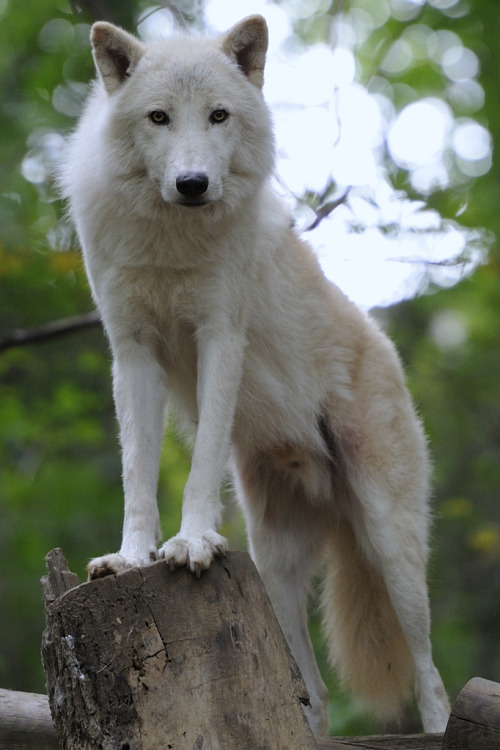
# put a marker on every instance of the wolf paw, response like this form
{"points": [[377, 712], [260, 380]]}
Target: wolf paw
{"points": [[107, 565], [196, 553]]}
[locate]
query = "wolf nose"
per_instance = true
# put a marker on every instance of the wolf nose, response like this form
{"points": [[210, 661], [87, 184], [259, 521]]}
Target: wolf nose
{"points": [[192, 184]]}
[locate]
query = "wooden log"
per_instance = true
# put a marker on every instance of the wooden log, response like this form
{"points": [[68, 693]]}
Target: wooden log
{"points": [[25, 722], [474, 722], [152, 659], [384, 742]]}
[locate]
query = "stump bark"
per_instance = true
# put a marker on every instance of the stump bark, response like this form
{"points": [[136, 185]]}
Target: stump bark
{"points": [[153, 659]]}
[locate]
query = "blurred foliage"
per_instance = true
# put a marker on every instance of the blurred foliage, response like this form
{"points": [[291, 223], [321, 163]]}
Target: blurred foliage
{"points": [[59, 454]]}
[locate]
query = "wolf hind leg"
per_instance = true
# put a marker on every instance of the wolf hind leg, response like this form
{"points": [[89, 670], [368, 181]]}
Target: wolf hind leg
{"points": [[392, 537], [285, 564], [405, 578], [285, 541]]}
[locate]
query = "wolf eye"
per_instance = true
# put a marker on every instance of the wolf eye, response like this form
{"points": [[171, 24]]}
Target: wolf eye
{"points": [[218, 116], [159, 117]]}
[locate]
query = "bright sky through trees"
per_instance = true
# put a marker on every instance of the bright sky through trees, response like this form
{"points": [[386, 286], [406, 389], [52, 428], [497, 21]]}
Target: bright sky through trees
{"points": [[331, 129]]}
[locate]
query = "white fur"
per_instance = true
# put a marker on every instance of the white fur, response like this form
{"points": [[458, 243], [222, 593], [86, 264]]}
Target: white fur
{"points": [[219, 312]]}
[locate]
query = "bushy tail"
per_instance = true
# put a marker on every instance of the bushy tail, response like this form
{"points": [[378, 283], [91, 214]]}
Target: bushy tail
{"points": [[367, 646]]}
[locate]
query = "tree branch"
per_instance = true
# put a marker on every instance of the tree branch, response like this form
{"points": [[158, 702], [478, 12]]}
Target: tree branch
{"points": [[56, 328], [326, 209]]}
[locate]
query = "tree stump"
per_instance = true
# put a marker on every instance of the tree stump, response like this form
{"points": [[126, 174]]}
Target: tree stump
{"points": [[474, 722], [151, 659]]}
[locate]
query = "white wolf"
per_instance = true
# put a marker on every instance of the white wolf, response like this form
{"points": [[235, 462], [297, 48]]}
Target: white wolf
{"points": [[215, 308]]}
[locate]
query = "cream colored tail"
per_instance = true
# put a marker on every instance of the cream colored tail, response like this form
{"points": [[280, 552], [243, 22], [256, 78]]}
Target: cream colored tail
{"points": [[367, 646]]}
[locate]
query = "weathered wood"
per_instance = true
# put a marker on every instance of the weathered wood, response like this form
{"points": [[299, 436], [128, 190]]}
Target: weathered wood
{"points": [[25, 722], [384, 742], [153, 658], [59, 578], [474, 722]]}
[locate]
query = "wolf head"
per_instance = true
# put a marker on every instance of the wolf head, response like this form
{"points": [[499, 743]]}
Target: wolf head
{"points": [[187, 114]]}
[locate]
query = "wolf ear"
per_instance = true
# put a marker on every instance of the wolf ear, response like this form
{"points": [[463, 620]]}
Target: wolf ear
{"points": [[246, 43], [116, 53]]}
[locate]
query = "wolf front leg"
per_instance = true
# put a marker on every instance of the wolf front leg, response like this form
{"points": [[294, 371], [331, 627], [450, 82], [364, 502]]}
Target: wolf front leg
{"points": [[140, 397], [220, 361]]}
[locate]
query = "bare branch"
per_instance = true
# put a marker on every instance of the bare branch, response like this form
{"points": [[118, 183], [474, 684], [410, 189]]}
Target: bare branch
{"points": [[51, 330], [326, 209]]}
